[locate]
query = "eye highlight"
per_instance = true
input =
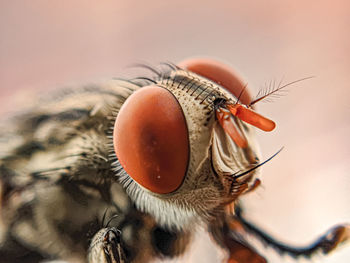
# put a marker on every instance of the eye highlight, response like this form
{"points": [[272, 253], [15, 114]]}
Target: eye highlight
{"points": [[151, 139]]}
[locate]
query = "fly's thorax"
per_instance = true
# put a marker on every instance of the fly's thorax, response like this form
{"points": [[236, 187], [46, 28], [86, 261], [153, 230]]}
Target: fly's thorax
{"points": [[213, 156]]}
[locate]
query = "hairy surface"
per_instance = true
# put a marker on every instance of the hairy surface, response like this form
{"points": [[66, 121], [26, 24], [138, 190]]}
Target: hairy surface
{"points": [[64, 195], [57, 181]]}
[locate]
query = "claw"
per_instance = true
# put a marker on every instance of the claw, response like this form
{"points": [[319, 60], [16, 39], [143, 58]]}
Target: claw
{"points": [[335, 237], [112, 248], [106, 247]]}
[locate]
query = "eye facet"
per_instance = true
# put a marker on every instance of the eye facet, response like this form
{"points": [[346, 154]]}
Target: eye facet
{"points": [[151, 139]]}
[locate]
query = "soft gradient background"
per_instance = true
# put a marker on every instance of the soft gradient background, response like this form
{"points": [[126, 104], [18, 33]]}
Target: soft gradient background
{"points": [[48, 44]]}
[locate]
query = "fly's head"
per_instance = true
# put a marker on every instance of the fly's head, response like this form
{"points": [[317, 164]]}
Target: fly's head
{"points": [[186, 146]]}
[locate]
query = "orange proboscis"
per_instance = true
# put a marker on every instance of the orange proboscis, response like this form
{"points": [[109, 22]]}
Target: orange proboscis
{"points": [[247, 115], [251, 117]]}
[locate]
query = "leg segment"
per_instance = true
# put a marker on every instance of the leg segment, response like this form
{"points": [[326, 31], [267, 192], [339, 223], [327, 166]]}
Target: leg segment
{"points": [[324, 244], [232, 232], [106, 247], [136, 238], [229, 236]]}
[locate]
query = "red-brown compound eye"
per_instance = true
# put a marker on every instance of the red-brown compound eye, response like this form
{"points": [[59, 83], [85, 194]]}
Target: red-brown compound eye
{"points": [[151, 139]]}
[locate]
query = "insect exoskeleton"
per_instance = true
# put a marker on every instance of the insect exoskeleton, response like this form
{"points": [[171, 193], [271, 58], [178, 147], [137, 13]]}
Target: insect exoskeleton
{"points": [[184, 149]]}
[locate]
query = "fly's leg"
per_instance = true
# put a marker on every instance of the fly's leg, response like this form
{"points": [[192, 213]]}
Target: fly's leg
{"points": [[136, 238], [241, 253], [229, 237], [106, 247], [231, 234], [324, 244]]}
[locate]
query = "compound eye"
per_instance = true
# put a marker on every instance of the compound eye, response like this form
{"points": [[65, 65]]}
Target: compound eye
{"points": [[151, 139], [219, 73]]}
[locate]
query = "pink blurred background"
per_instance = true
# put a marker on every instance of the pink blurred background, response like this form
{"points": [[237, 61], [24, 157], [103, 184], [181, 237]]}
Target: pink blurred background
{"points": [[48, 44]]}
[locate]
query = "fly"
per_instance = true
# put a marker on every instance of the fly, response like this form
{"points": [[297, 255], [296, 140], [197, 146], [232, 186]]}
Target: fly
{"points": [[154, 157]]}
